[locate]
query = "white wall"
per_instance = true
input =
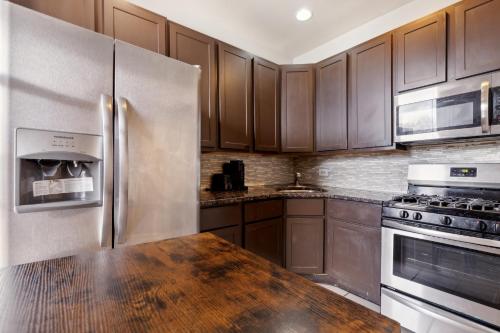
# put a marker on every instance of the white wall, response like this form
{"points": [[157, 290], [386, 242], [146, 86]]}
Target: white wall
{"points": [[394, 19]]}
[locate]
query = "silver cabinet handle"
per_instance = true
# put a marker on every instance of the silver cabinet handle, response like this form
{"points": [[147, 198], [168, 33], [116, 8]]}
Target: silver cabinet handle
{"points": [[121, 196], [106, 106], [485, 103]]}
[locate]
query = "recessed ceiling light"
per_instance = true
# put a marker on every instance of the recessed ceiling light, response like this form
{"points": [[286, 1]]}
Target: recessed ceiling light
{"points": [[303, 14]]}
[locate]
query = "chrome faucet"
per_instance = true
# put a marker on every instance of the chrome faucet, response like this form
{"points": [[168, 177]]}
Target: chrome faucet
{"points": [[298, 175]]}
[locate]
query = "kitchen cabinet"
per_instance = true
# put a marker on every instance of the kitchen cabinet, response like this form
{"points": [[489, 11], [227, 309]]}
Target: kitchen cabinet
{"points": [[353, 247], [264, 229], [195, 48], [331, 103], [420, 52], [79, 12], [266, 77], [297, 108], [305, 235], [370, 94], [477, 27], [265, 238], [231, 234], [134, 25], [224, 221], [235, 97]]}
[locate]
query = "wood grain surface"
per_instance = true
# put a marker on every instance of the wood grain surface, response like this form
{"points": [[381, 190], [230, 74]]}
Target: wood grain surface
{"points": [[197, 283]]}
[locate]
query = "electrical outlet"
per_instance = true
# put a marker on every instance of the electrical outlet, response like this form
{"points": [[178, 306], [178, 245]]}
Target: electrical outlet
{"points": [[323, 172]]}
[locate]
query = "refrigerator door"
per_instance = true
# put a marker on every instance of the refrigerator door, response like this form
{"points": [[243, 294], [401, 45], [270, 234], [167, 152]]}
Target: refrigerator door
{"points": [[54, 76], [156, 146]]}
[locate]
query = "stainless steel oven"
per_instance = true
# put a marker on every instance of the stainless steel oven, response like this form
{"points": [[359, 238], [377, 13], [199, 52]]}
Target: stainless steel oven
{"points": [[458, 109], [455, 272]]}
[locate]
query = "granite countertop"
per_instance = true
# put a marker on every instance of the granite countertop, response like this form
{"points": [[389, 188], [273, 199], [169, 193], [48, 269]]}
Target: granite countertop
{"points": [[209, 199], [198, 283]]}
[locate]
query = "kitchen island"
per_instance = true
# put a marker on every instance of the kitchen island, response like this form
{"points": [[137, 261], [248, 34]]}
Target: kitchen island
{"points": [[197, 283]]}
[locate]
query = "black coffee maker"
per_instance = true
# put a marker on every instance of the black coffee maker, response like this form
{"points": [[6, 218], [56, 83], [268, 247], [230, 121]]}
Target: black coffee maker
{"points": [[231, 179]]}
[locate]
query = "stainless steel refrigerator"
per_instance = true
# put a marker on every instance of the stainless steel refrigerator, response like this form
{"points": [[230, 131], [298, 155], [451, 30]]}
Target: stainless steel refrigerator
{"points": [[99, 141]]}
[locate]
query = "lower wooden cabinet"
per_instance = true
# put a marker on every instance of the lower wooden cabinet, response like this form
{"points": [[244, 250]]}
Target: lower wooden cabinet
{"points": [[224, 221], [352, 251], [265, 239], [304, 244], [231, 234]]}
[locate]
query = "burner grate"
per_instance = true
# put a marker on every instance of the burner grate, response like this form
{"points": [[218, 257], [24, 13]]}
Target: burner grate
{"points": [[448, 202]]}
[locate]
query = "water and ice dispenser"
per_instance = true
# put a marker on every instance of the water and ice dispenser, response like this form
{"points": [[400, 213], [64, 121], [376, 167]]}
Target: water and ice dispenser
{"points": [[56, 170]]}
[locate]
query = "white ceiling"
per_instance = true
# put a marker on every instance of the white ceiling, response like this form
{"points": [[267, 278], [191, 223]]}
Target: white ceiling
{"points": [[268, 28]]}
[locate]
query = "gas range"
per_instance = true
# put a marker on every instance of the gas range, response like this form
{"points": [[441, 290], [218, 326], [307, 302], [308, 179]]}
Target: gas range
{"points": [[441, 249]]}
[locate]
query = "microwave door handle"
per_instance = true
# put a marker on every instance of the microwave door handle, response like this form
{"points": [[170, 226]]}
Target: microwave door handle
{"points": [[485, 106], [106, 108], [121, 197]]}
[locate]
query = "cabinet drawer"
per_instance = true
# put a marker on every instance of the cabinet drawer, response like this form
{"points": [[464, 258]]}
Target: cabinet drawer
{"points": [[219, 217], [263, 210], [353, 211], [305, 207]]}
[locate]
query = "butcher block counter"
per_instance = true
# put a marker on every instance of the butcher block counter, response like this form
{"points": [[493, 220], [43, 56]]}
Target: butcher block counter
{"points": [[197, 283]]}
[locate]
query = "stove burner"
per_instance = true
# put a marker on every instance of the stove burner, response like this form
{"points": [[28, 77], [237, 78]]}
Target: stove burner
{"points": [[448, 202]]}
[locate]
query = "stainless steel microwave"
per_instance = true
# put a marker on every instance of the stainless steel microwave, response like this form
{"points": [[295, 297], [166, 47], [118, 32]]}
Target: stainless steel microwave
{"points": [[468, 108]]}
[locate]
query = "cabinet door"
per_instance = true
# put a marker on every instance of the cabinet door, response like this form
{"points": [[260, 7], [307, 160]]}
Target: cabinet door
{"points": [[197, 49], [79, 12], [370, 94], [304, 244], [231, 234], [477, 31], [297, 108], [134, 25], [266, 105], [331, 103], [353, 258], [265, 239], [235, 97], [420, 52]]}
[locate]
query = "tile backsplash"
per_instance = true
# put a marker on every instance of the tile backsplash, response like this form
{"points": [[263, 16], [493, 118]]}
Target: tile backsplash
{"points": [[260, 169], [387, 171]]}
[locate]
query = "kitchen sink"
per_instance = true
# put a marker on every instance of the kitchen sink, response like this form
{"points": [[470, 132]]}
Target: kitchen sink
{"points": [[300, 189]]}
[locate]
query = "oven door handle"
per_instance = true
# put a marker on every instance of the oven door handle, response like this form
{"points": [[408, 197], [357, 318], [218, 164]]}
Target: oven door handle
{"points": [[474, 243], [434, 312]]}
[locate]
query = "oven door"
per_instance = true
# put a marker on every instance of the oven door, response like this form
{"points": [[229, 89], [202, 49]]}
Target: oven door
{"points": [[444, 112], [437, 267]]}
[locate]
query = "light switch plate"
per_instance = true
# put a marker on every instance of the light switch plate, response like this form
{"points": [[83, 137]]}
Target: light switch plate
{"points": [[323, 172]]}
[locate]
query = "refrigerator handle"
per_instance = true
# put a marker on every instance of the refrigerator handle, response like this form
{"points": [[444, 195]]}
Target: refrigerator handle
{"points": [[106, 106], [122, 194]]}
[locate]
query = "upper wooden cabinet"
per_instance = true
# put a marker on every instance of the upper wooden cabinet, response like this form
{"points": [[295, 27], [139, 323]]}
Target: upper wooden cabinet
{"points": [[79, 12], [420, 52], [297, 108], [266, 77], [235, 97], [477, 31], [370, 94], [134, 25], [197, 49], [331, 103]]}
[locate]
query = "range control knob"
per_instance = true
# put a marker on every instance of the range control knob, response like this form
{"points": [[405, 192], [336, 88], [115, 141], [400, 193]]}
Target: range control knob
{"points": [[417, 216], [404, 214], [445, 220], [482, 225]]}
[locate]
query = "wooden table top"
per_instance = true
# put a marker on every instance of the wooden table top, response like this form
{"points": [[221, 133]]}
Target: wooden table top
{"points": [[198, 283]]}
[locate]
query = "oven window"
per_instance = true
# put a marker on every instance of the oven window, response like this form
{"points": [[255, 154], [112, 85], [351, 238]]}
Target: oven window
{"points": [[462, 272], [447, 113]]}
